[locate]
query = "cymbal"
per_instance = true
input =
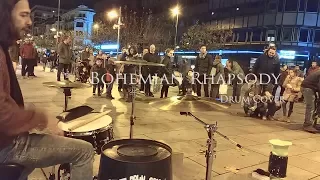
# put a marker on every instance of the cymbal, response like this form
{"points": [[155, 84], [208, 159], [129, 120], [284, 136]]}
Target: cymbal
{"points": [[66, 84], [188, 103], [138, 62]]}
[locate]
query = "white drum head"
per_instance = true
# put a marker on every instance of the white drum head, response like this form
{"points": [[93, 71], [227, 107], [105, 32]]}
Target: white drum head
{"points": [[92, 126]]}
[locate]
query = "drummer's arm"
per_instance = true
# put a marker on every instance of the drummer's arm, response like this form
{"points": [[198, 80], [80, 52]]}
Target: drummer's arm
{"points": [[14, 120]]}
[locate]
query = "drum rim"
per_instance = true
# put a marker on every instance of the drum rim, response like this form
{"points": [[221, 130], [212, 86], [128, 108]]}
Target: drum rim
{"points": [[89, 133]]}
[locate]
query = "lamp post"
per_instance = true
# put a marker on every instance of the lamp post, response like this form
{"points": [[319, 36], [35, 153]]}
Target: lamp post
{"points": [[114, 14], [58, 29], [175, 12]]}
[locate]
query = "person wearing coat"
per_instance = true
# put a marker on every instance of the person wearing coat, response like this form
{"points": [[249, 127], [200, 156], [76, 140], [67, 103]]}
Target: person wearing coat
{"points": [[203, 67], [234, 68], [166, 72], [218, 77], [292, 86]]}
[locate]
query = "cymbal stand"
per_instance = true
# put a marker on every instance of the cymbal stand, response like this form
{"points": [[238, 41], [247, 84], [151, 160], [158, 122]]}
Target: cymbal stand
{"points": [[133, 93], [211, 142]]}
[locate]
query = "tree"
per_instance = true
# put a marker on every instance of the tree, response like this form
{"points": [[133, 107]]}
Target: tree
{"points": [[45, 41], [139, 30], [212, 36]]}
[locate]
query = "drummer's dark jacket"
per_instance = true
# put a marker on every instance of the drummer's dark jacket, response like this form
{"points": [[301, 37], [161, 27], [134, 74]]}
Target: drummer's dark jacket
{"points": [[14, 119], [167, 69], [155, 58]]}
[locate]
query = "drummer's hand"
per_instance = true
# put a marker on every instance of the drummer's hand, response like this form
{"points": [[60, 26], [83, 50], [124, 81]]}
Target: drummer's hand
{"points": [[55, 131]]}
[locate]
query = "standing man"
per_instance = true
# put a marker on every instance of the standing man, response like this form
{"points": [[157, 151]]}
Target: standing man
{"points": [[152, 56], [14, 54], [17, 144], [310, 87], [203, 66], [268, 63], [65, 55], [27, 53]]}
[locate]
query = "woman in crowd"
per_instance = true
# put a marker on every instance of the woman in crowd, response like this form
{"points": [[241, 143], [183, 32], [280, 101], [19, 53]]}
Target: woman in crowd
{"points": [[292, 86], [166, 73]]}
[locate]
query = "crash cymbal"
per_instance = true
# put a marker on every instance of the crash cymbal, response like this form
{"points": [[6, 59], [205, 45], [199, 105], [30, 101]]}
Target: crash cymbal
{"points": [[138, 62], [66, 84], [188, 103]]}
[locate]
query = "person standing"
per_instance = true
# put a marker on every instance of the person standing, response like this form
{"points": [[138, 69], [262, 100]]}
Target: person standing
{"points": [[150, 71], [292, 86], [167, 72], [310, 87], [235, 69], [99, 81], [203, 67], [65, 54], [218, 77], [269, 64], [85, 54], [27, 54], [142, 85], [14, 54]]}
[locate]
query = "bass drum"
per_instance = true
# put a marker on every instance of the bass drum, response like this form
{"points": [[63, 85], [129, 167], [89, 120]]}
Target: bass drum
{"points": [[135, 159]]}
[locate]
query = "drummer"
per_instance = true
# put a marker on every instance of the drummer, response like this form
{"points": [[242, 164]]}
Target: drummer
{"points": [[17, 144]]}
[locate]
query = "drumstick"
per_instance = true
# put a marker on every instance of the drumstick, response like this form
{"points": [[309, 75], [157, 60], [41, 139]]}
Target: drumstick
{"points": [[89, 120]]}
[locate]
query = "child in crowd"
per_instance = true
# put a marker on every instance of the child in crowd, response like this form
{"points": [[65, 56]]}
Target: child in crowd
{"points": [[292, 85], [98, 73], [187, 83], [254, 105]]}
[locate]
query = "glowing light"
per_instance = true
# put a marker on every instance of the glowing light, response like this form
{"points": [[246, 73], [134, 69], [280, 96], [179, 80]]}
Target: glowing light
{"points": [[175, 11], [113, 14]]}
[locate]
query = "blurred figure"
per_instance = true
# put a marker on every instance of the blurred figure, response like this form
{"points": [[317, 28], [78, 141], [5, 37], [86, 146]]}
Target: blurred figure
{"points": [[234, 68], [167, 72], [99, 81], [27, 53], [314, 67], [85, 54], [292, 86], [65, 54], [218, 77], [299, 72], [152, 56], [203, 67]]}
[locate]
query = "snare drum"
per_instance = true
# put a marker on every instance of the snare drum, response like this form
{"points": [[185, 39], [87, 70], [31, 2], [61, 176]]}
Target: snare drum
{"points": [[98, 132]]}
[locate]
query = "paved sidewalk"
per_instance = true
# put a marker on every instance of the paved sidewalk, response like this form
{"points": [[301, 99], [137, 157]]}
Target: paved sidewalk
{"points": [[187, 136]]}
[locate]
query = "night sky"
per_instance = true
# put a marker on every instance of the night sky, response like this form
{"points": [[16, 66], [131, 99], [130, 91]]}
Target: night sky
{"points": [[65, 4]]}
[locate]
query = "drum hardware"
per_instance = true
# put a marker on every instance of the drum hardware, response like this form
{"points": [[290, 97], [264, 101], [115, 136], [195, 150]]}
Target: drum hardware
{"points": [[133, 92], [66, 86], [211, 142]]}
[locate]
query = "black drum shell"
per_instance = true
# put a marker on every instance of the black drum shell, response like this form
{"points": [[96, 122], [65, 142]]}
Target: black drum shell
{"points": [[278, 166], [115, 169]]}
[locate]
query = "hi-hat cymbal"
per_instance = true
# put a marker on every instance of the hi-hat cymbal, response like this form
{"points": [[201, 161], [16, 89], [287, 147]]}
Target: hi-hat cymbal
{"points": [[66, 84], [138, 62], [188, 103]]}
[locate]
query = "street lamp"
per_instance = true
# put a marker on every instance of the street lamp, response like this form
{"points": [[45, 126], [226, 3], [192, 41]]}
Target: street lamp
{"points": [[112, 15], [175, 12]]}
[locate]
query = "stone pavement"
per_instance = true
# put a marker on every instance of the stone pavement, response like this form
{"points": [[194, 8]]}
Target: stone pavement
{"points": [[185, 135]]}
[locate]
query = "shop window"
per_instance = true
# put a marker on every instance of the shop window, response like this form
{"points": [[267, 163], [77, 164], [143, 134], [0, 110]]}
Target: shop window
{"points": [[302, 5], [272, 5], [256, 35], [79, 24], [279, 32], [317, 36], [304, 35], [312, 5], [286, 34], [291, 5], [242, 36]]}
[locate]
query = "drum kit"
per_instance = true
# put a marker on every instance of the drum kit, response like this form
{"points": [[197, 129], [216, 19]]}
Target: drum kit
{"points": [[137, 158]]}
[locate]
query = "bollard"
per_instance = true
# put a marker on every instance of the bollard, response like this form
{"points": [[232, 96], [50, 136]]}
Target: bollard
{"points": [[278, 160]]}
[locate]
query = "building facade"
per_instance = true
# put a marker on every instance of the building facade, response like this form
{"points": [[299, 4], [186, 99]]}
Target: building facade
{"points": [[43, 16], [78, 22], [293, 25]]}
